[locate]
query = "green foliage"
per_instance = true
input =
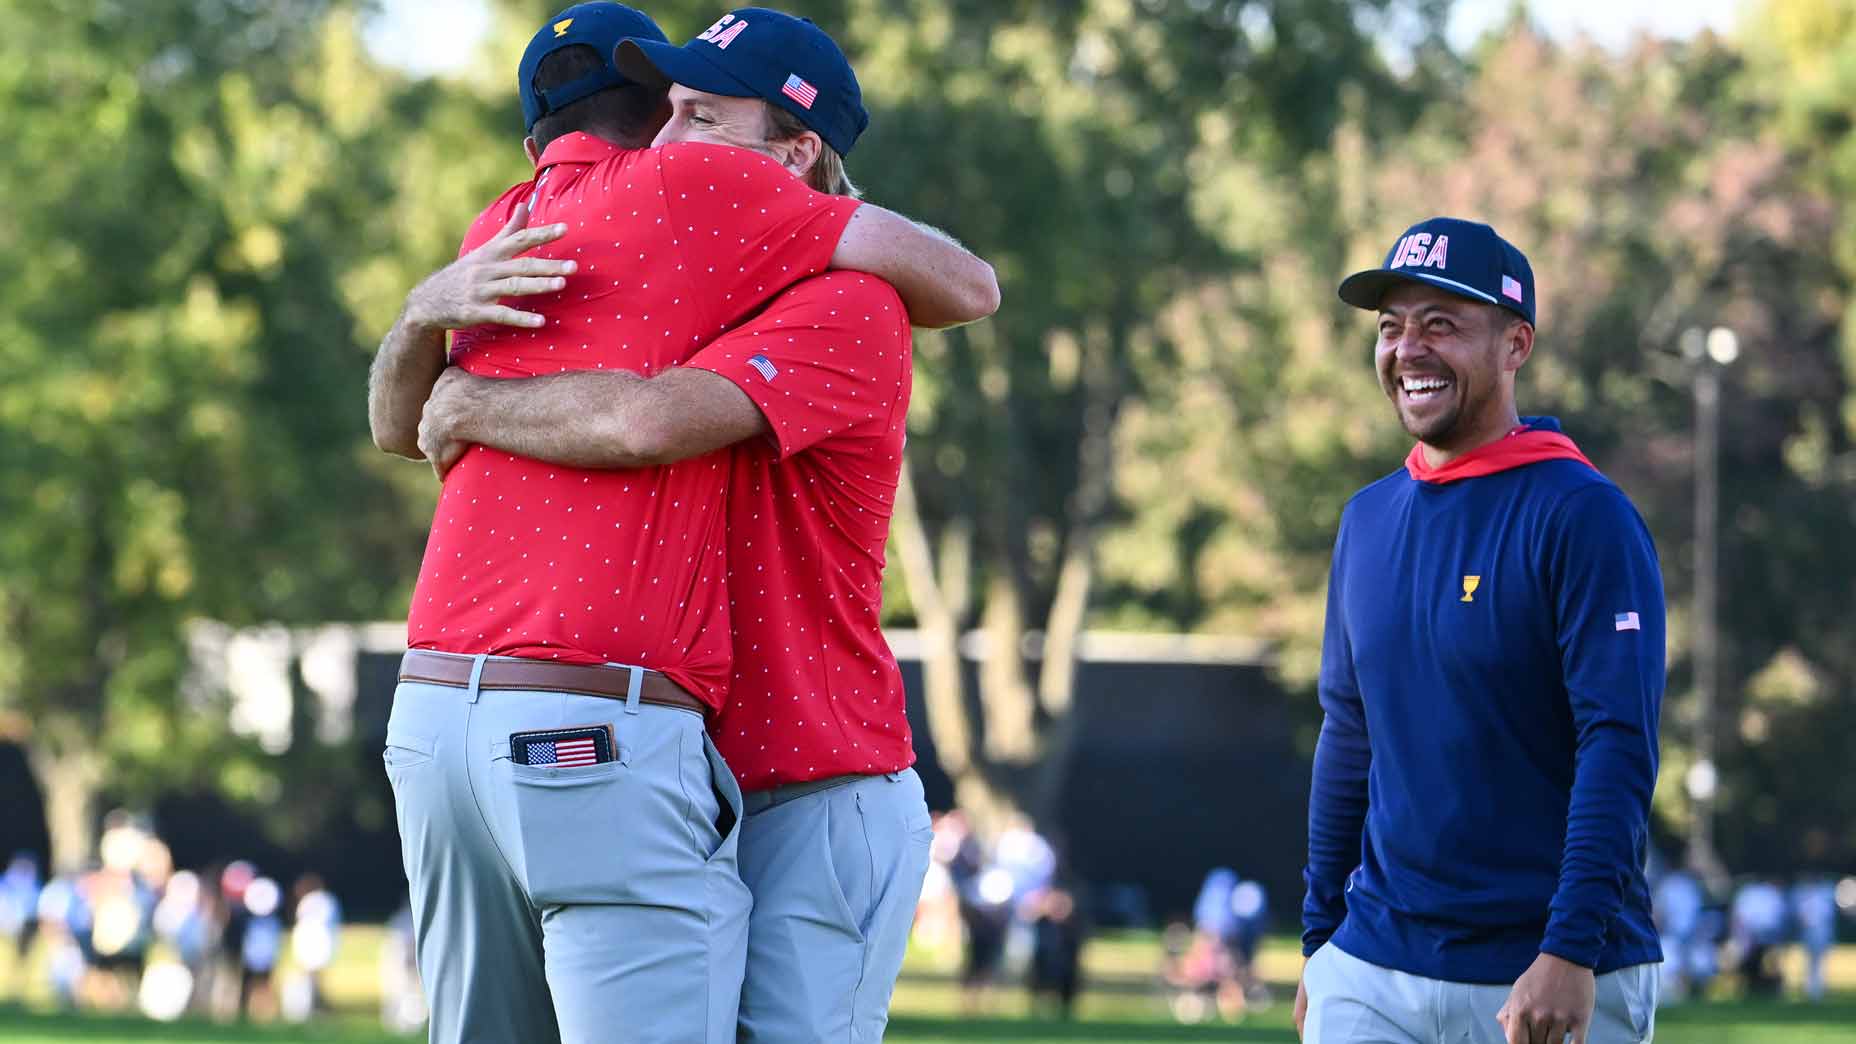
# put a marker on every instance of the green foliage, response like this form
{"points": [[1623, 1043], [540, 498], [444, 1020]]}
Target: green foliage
{"points": [[216, 207]]}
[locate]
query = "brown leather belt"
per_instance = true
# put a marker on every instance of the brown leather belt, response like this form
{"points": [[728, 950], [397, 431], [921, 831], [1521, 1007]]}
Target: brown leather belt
{"points": [[584, 679]]}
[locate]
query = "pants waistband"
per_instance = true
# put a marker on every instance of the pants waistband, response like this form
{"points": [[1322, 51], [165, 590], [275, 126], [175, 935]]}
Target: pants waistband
{"points": [[761, 800], [481, 673]]}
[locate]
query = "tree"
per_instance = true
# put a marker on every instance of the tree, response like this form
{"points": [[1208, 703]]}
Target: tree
{"points": [[1676, 207], [1103, 116], [177, 439]]}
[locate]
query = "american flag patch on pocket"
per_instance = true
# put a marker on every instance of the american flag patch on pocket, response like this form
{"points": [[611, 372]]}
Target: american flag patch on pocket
{"points": [[562, 748]]}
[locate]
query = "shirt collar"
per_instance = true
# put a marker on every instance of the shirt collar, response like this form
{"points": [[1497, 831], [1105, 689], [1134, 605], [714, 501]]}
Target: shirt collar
{"points": [[1535, 439], [578, 147]]}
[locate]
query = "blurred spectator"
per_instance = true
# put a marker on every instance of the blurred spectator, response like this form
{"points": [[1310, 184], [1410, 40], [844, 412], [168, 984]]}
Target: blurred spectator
{"points": [[1677, 903], [1814, 907], [313, 940], [1199, 972], [1250, 912], [185, 922], [1030, 860], [1058, 933], [1758, 921], [122, 900], [1024, 854], [986, 914], [402, 1000], [235, 919], [64, 919], [1211, 911], [937, 931], [19, 917], [1217, 969], [260, 945]]}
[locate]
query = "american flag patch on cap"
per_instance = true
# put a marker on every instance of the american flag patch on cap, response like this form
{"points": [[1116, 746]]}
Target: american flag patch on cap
{"points": [[562, 748], [800, 91], [1511, 288]]}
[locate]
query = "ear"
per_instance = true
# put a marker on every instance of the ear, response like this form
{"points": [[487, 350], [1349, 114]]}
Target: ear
{"points": [[1517, 344], [532, 150], [802, 152]]}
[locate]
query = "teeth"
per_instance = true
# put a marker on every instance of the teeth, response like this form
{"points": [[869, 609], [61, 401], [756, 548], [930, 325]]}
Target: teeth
{"points": [[1420, 384]]}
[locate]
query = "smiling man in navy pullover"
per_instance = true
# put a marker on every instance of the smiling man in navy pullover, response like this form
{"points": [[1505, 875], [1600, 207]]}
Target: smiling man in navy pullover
{"points": [[1491, 675]]}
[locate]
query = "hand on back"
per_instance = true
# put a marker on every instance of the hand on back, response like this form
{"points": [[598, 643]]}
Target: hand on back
{"points": [[468, 291]]}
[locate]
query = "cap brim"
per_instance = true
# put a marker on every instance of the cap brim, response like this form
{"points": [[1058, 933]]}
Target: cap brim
{"points": [[659, 65], [1367, 289]]}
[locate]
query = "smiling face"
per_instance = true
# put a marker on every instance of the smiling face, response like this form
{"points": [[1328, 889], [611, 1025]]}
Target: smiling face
{"points": [[1448, 364], [717, 119]]}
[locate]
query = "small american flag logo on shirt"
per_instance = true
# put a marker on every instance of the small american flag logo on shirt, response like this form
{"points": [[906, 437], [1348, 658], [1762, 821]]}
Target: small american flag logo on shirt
{"points": [[800, 91], [1511, 287], [764, 367], [1628, 622]]}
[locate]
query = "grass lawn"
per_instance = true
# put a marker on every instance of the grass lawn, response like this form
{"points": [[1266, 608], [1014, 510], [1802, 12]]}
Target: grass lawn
{"points": [[1121, 1005], [1718, 1022]]}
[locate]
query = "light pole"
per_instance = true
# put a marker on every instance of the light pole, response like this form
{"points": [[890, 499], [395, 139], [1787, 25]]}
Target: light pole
{"points": [[1708, 354]]}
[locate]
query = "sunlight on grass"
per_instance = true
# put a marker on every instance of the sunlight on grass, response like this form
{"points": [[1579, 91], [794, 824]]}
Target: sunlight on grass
{"points": [[1123, 1003]]}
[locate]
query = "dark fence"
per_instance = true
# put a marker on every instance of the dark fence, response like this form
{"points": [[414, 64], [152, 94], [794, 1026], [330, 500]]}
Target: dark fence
{"points": [[1179, 766]]}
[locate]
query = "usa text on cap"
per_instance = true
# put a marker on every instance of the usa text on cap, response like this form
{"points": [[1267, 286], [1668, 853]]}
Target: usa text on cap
{"points": [[754, 52], [1465, 258]]}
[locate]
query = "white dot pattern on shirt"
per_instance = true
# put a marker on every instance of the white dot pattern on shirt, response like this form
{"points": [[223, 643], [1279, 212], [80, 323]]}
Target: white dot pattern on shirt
{"points": [[815, 689], [662, 557]]}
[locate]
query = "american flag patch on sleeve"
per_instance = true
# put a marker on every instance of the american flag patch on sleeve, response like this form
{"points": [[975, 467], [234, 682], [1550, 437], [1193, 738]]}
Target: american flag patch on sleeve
{"points": [[1627, 622], [562, 748], [764, 366]]}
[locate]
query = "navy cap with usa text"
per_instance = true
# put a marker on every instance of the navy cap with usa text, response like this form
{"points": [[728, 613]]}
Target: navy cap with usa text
{"points": [[1465, 258], [754, 52], [599, 25]]}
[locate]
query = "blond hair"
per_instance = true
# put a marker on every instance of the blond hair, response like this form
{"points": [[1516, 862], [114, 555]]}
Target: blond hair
{"points": [[827, 174]]}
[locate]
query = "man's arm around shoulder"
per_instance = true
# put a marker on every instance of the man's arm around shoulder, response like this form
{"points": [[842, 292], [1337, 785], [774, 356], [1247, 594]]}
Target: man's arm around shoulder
{"points": [[942, 283]]}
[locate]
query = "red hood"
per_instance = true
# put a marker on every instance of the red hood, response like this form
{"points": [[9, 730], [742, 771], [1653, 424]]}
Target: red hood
{"points": [[1522, 446]]}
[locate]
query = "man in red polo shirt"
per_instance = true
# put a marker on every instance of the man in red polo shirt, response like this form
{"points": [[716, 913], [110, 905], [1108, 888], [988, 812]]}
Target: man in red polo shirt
{"points": [[566, 824], [813, 394]]}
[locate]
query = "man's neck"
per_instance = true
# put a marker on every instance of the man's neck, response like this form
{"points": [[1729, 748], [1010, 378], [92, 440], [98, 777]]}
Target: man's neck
{"points": [[1436, 455]]}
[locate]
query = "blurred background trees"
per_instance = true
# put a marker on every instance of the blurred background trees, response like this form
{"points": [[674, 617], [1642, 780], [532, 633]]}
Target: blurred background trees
{"points": [[215, 207]]}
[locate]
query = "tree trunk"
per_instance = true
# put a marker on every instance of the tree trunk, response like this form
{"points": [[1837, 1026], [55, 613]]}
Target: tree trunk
{"points": [[938, 621], [68, 783], [1069, 608], [1005, 693]]}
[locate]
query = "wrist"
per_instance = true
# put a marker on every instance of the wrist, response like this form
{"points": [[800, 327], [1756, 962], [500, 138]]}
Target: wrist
{"points": [[1557, 955], [465, 404], [416, 320]]}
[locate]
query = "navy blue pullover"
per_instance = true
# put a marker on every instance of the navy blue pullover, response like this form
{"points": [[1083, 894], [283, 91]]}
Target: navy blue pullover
{"points": [[1491, 676]]}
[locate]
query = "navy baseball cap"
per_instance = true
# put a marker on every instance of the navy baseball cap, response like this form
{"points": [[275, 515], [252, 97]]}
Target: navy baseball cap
{"points": [[753, 52], [600, 25], [1464, 257]]}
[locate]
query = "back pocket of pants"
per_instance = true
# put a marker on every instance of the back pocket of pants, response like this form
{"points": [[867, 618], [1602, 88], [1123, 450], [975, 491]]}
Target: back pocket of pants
{"points": [[405, 751], [610, 833]]}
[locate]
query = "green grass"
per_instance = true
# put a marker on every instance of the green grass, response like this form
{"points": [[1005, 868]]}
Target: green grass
{"points": [[1719, 1022], [1121, 1005]]}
